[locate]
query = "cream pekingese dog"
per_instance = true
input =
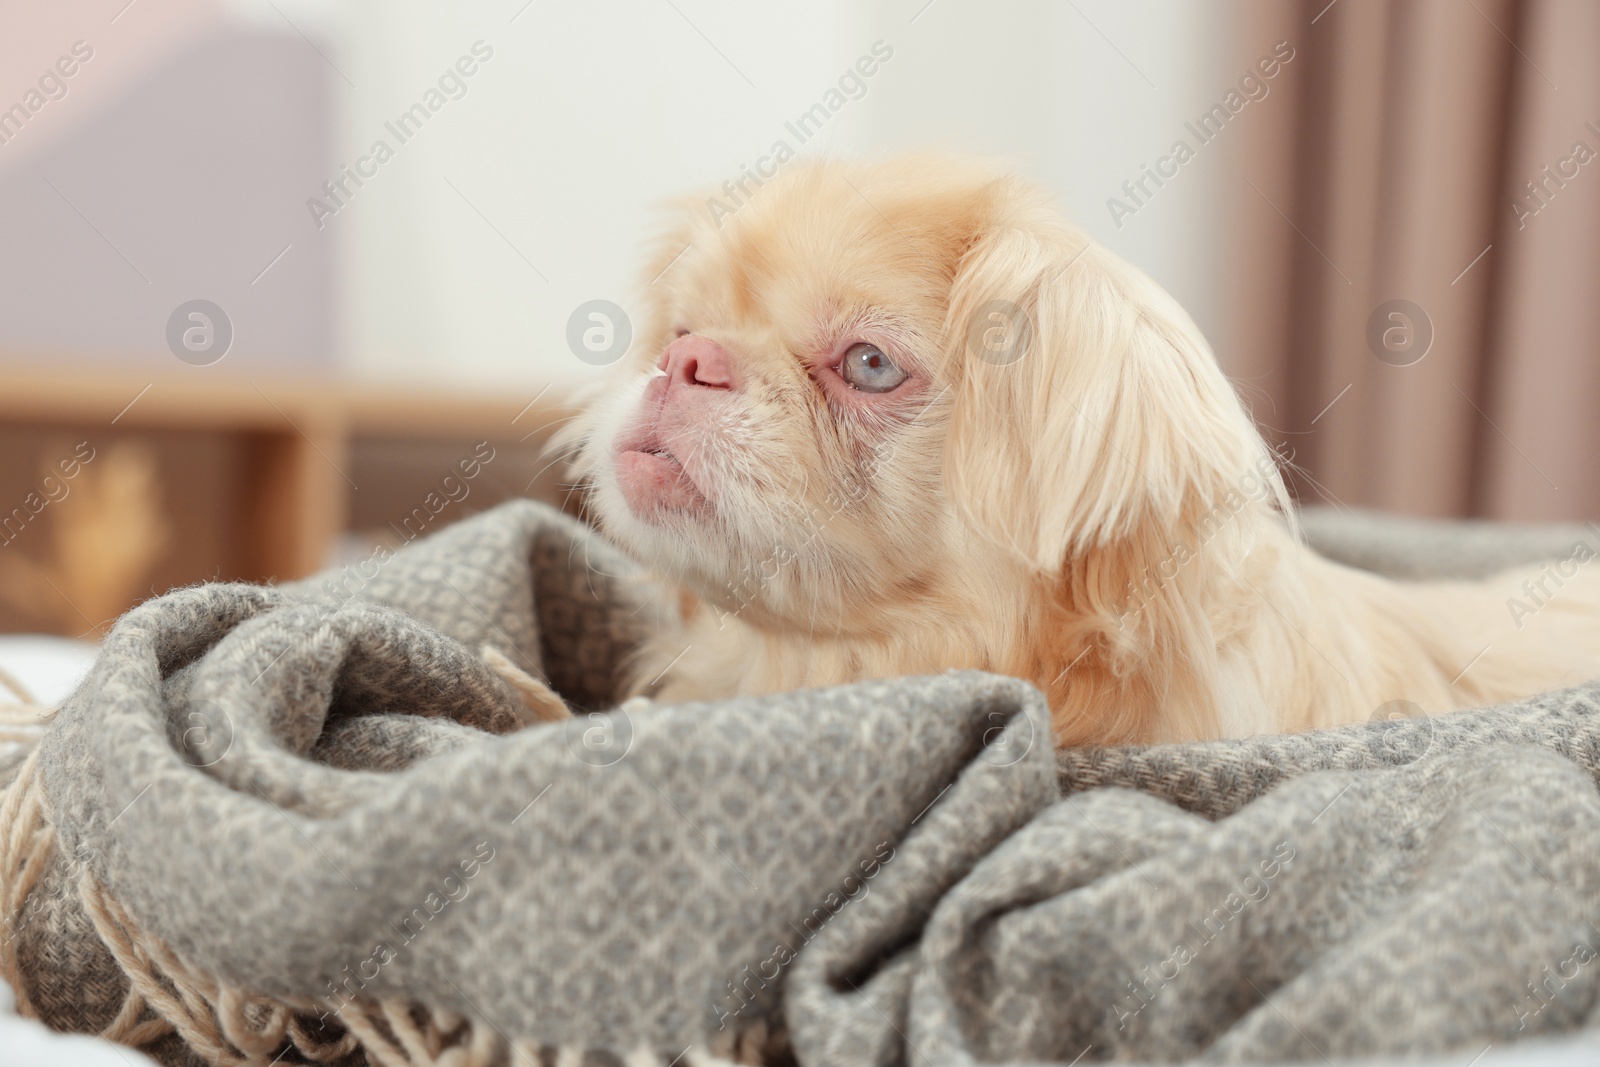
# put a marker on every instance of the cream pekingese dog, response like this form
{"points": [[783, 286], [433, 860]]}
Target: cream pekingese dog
{"points": [[893, 418]]}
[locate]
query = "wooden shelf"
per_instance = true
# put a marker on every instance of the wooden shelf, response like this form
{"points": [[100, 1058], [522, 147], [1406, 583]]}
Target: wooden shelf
{"points": [[289, 445], [273, 406]]}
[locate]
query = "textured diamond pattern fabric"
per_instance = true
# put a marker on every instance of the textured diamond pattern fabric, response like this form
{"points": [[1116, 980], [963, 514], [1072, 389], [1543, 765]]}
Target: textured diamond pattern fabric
{"points": [[320, 791], [311, 793]]}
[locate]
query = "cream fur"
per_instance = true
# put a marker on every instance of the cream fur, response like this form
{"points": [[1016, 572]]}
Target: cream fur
{"points": [[1098, 516]]}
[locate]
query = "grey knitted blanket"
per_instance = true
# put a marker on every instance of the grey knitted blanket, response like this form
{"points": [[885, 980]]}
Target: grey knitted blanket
{"points": [[310, 822]]}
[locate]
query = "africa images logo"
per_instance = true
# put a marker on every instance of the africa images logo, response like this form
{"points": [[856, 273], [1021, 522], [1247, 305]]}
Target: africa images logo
{"points": [[852, 85], [52, 85], [452, 85], [1253, 86]]}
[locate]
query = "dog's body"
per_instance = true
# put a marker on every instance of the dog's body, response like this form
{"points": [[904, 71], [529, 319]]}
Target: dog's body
{"points": [[903, 419]]}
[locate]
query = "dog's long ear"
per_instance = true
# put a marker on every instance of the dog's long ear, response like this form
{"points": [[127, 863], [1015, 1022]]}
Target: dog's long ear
{"points": [[1088, 411]]}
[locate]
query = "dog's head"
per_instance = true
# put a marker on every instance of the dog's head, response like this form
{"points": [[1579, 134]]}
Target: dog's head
{"points": [[892, 387]]}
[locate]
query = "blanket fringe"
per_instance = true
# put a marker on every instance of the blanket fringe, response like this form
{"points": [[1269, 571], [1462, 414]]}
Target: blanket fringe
{"points": [[26, 840], [229, 1026], [23, 719], [233, 1028], [223, 1023], [540, 702], [26, 843]]}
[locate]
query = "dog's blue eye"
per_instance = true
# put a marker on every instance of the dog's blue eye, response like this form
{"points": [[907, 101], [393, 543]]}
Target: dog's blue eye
{"points": [[866, 368]]}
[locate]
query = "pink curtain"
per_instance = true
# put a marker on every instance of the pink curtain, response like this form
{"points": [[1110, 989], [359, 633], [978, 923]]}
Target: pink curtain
{"points": [[1407, 316]]}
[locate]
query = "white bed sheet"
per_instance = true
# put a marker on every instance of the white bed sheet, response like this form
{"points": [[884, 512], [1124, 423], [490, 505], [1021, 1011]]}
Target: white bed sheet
{"points": [[50, 667]]}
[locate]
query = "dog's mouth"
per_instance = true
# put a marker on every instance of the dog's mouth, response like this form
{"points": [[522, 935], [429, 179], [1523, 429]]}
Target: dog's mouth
{"points": [[653, 480]]}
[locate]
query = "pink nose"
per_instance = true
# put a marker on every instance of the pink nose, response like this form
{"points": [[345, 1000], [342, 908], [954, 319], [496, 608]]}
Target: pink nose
{"points": [[695, 360]]}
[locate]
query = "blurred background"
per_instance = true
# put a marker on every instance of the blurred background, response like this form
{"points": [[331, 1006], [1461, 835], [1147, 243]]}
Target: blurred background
{"points": [[284, 280]]}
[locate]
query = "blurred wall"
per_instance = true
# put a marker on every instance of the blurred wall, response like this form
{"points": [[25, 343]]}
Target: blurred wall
{"points": [[167, 176], [36, 35], [534, 187], [414, 192]]}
